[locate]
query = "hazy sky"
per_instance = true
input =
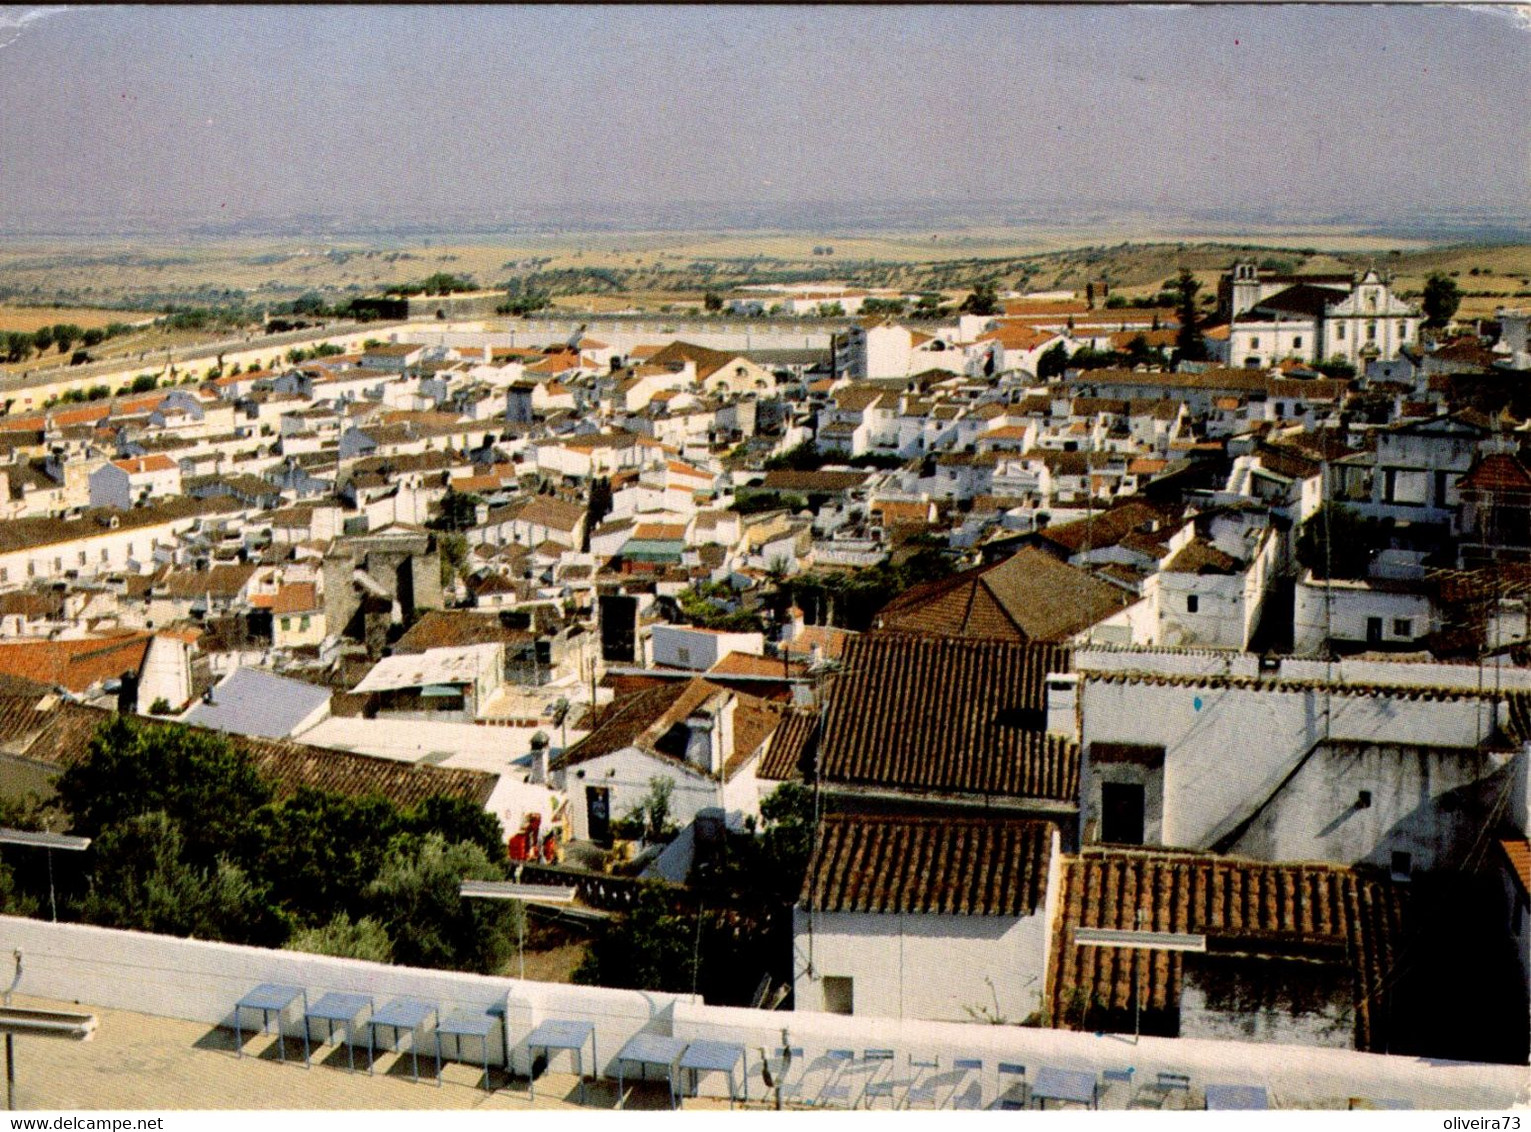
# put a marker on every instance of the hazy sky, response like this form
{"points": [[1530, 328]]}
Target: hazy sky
{"points": [[207, 114]]}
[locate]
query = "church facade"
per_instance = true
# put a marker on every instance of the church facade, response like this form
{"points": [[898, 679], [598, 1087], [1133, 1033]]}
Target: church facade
{"points": [[1314, 319]]}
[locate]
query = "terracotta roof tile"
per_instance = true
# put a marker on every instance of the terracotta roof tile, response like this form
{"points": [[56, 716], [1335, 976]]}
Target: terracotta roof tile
{"points": [[926, 714], [1299, 910], [940, 866]]}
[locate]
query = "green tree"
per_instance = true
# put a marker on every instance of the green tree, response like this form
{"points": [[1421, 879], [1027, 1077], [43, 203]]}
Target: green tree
{"points": [[1440, 301], [648, 948], [453, 550], [984, 300], [65, 335], [712, 302], [459, 510], [143, 383], [93, 337], [1053, 362], [321, 850], [42, 339], [458, 819], [195, 777], [787, 830], [345, 938], [416, 896], [1189, 344], [18, 345], [143, 882]]}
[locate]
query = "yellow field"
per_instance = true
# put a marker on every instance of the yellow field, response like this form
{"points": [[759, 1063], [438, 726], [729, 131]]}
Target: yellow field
{"points": [[1136, 260], [29, 319]]}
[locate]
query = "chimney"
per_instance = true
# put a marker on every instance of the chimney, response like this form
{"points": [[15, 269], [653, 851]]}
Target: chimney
{"points": [[701, 750], [540, 758]]}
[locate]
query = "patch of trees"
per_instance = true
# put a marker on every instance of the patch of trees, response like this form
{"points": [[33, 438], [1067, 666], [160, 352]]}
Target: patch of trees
{"points": [[1441, 299], [807, 458], [191, 839], [731, 928], [852, 600], [438, 283]]}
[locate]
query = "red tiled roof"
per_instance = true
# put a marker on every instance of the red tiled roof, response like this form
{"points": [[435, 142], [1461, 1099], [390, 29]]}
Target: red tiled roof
{"points": [[75, 664], [1517, 852], [941, 866], [296, 597], [930, 714], [1303, 911]]}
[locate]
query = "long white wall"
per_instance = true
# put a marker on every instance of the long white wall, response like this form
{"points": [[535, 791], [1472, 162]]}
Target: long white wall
{"points": [[198, 981]]}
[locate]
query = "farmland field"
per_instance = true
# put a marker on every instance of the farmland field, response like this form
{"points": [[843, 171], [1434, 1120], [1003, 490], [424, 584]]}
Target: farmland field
{"points": [[605, 271], [29, 319]]}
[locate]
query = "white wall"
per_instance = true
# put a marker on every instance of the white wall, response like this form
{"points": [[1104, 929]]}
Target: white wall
{"points": [[915, 965], [199, 981], [702, 647], [1226, 748]]}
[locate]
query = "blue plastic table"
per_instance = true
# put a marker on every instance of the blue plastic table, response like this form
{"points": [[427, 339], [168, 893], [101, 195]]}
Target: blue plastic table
{"points": [[650, 1049], [1235, 1097], [706, 1056], [404, 1014], [271, 998], [469, 1024], [557, 1034], [1064, 1085], [344, 1008]]}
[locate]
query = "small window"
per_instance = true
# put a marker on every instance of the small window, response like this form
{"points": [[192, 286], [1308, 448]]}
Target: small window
{"points": [[1339, 332], [1192, 603], [1402, 863], [1371, 331], [839, 994], [103, 555], [286, 624], [303, 624], [1403, 627], [1297, 342], [5, 575], [683, 655], [82, 558], [1254, 343]]}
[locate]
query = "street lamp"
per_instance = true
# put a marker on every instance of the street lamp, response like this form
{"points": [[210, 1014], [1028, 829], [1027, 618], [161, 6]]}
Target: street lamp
{"points": [[50, 842], [522, 894]]}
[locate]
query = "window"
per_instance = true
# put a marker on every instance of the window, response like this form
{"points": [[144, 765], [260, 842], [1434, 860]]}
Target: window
{"points": [[1339, 332], [1121, 813], [58, 564], [839, 994], [303, 624], [1192, 603], [1403, 627], [103, 555], [286, 624], [1254, 343], [5, 575], [1371, 331], [31, 569], [1402, 863], [82, 558], [683, 655], [1297, 342]]}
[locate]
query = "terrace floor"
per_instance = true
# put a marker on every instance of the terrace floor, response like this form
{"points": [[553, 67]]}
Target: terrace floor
{"points": [[136, 1061]]}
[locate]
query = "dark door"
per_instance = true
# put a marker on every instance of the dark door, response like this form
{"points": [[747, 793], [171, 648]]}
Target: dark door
{"points": [[598, 812], [1374, 630], [1121, 813]]}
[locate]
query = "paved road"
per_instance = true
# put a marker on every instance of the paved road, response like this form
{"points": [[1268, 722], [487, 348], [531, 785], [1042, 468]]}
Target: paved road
{"points": [[155, 359]]}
